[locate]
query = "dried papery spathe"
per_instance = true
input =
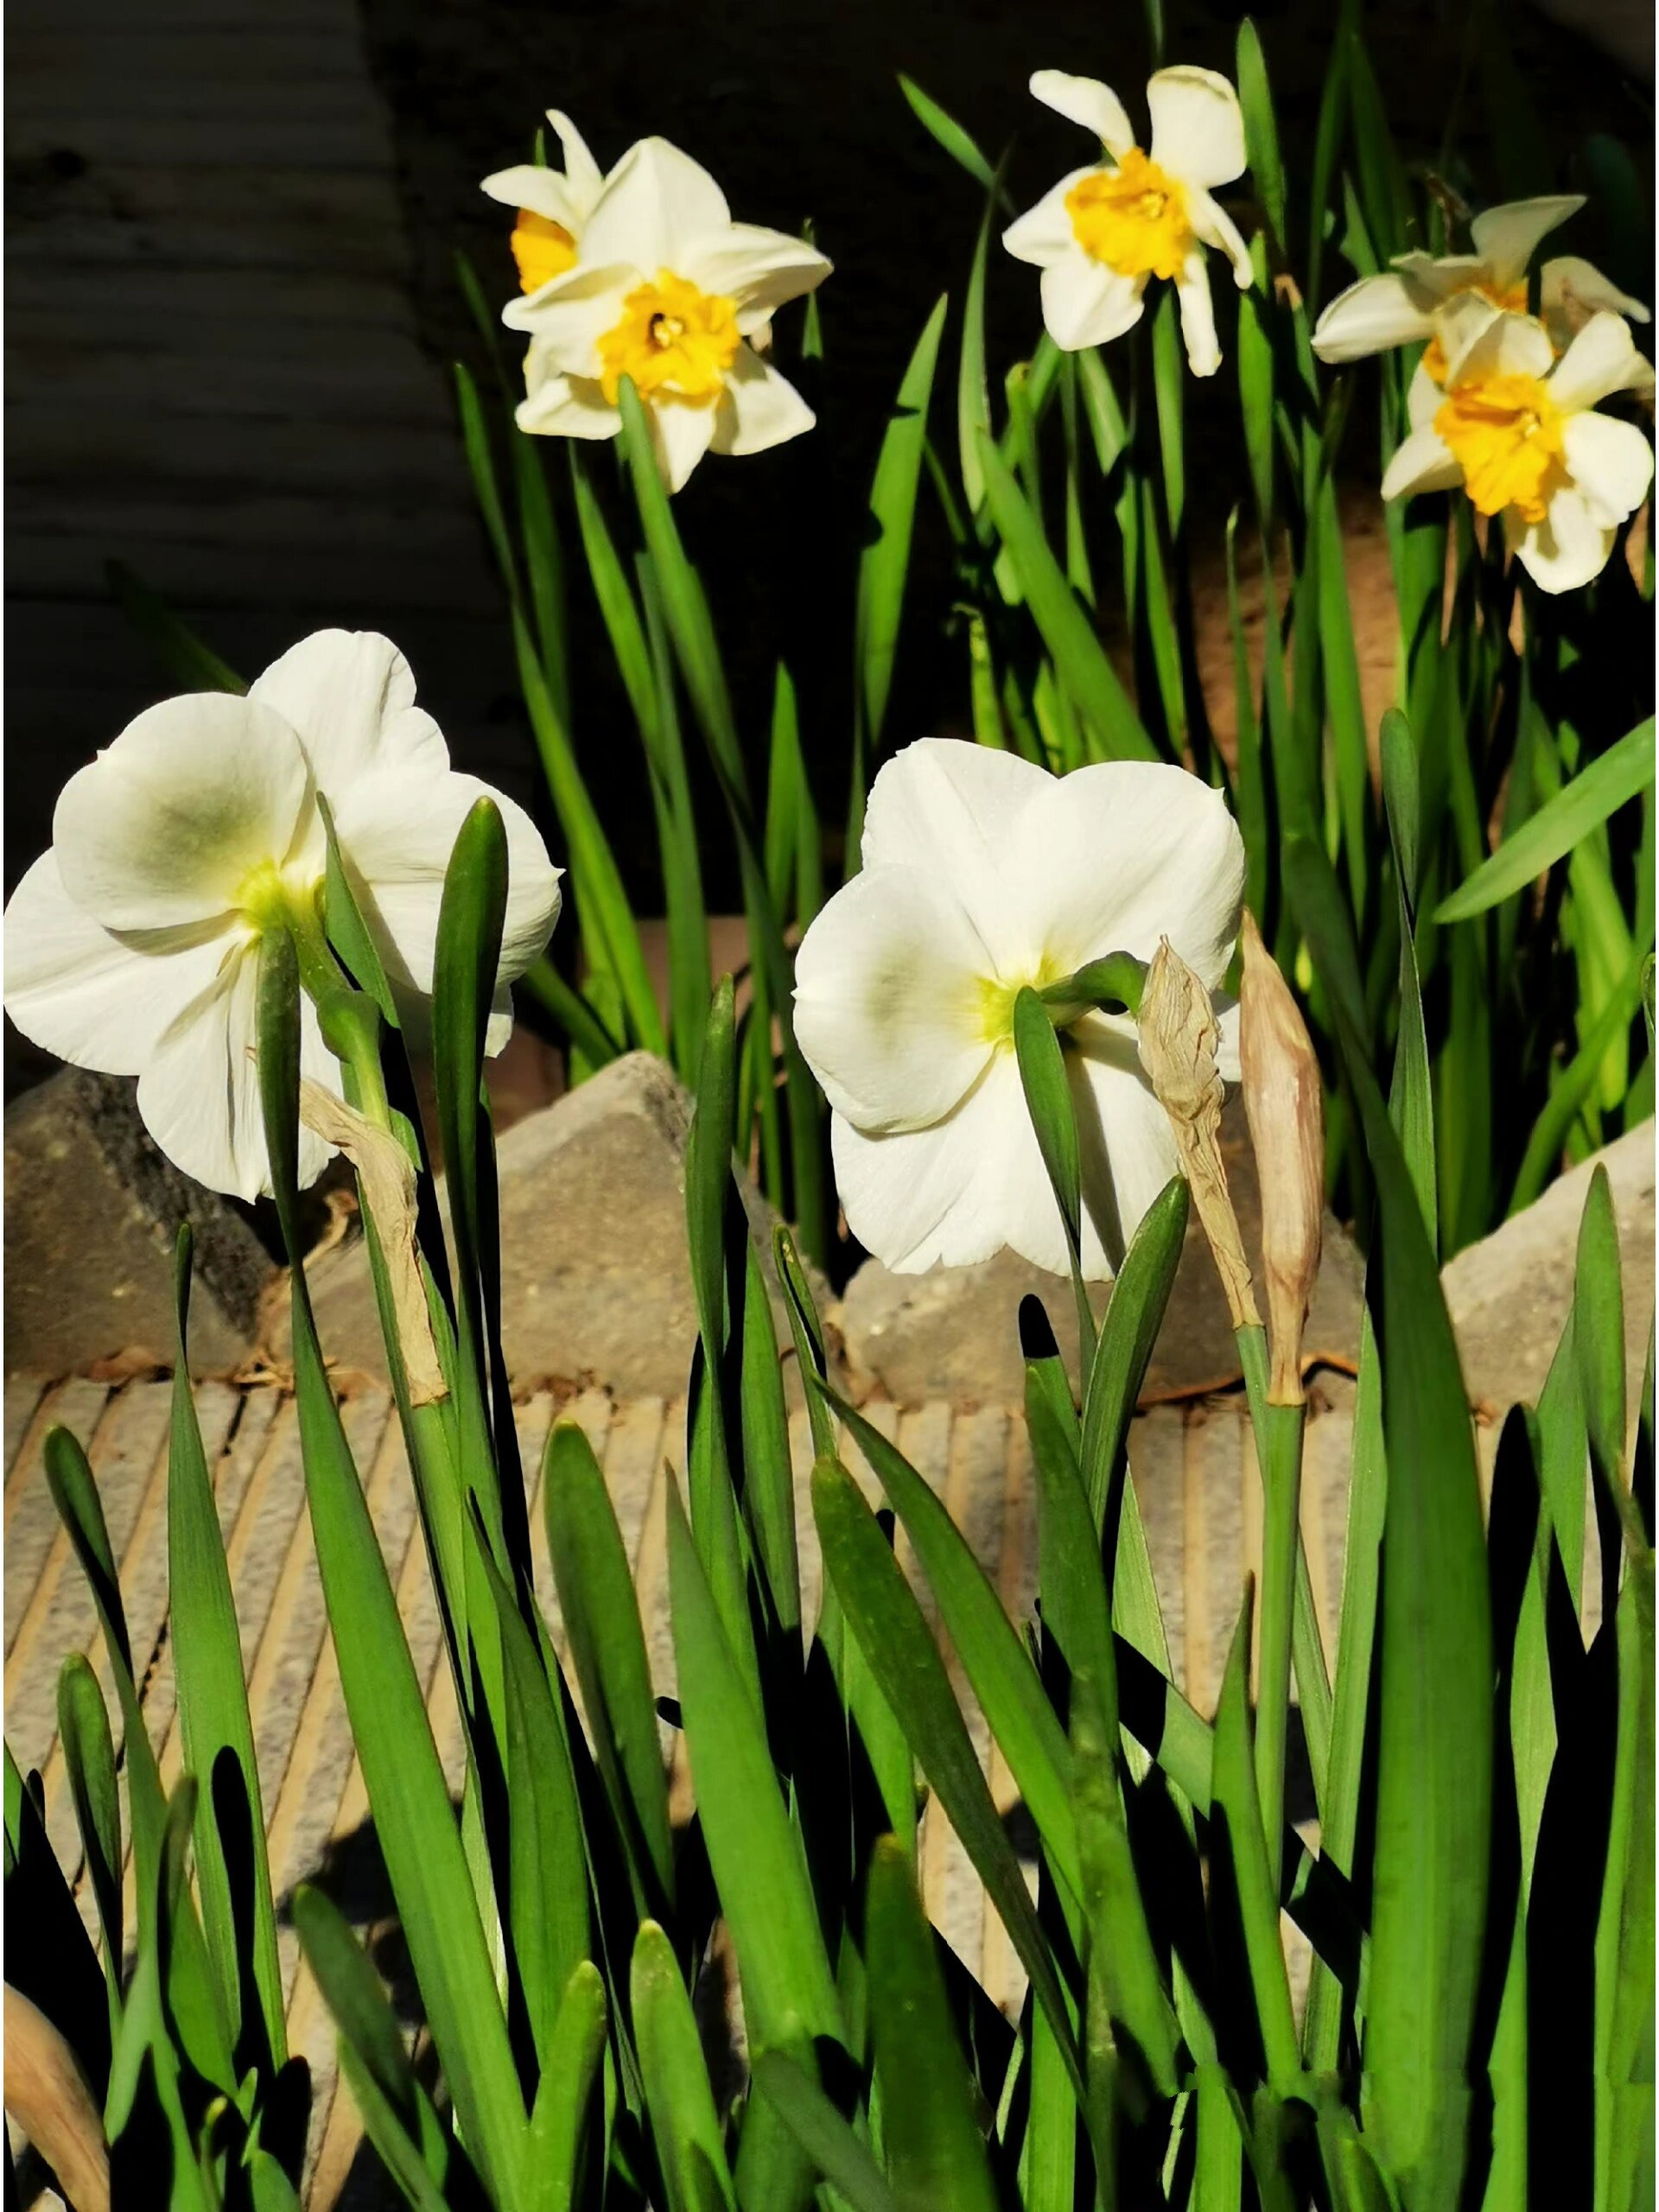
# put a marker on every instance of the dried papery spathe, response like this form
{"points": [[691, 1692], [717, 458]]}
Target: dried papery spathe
{"points": [[386, 1175], [1181, 1037], [1284, 1102]]}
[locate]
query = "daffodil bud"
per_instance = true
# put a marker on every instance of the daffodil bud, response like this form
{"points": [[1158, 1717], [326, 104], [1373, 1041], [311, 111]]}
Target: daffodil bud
{"points": [[1179, 1036], [1284, 1103]]}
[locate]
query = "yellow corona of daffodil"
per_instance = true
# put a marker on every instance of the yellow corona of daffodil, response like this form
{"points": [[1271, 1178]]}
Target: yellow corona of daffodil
{"points": [[1105, 232], [1518, 431], [668, 291], [1408, 304]]}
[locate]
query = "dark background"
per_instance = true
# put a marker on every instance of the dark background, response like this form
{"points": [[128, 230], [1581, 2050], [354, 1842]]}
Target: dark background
{"points": [[232, 226]]}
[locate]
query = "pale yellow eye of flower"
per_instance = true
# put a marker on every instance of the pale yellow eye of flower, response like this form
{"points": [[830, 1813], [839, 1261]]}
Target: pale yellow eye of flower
{"points": [[672, 339], [542, 248], [1512, 298], [993, 1013], [1132, 217], [270, 896], [1505, 433]]}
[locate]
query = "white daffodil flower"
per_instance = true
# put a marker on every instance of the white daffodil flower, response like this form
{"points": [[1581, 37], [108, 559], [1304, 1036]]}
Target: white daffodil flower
{"points": [[983, 874], [132, 944], [668, 291], [1407, 305], [1517, 430], [1104, 230], [553, 205]]}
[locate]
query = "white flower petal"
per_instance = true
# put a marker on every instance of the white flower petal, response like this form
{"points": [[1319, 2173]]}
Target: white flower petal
{"points": [[758, 270], [1601, 360], [657, 204], [1424, 462], [349, 698], [1424, 398], [199, 1093], [1227, 1061], [166, 825], [889, 998], [96, 1000], [1198, 127], [1611, 462], [498, 1029], [759, 409], [397, 834], [583, 173], [1126, 1144], [1463, 319], [1086, 304], [569, 315], [1197, 316], [1211, 222], [1085, 100], [1481, 345], [542, 191], [957, 1192], [1119, 853], [1569, 549], [564, 407], [1506, 238], [681, 433], [951, 806], [1371, 316], [1044, 232], [1571, 290]]}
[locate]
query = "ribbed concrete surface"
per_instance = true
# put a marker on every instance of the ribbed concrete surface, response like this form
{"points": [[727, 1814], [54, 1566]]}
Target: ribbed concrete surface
{"points": [[1194, 1473]]}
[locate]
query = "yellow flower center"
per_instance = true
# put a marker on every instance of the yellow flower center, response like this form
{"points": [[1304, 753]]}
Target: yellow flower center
{"points": [[673, 340], [1512, 298], [1132, 217], [1505, 432], [994, 1012], [272, 897], [543, 250]]}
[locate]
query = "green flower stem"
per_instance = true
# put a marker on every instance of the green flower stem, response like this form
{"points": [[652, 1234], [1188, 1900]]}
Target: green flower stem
{"points": [[1278, 1431], [1114, 980], [351, 1024]]}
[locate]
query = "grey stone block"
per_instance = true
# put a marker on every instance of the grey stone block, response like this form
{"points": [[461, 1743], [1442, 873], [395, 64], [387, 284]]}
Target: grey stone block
{"points": [[595, 1284], [92, 1212], [1508, 1295], [953, 1332]]}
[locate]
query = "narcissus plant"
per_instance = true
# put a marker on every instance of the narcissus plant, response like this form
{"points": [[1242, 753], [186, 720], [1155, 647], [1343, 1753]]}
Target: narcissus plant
{"points": [[131, 945], [668, 292], [553, 205], [1106, 231], [1518, 432], [984, 874], [1407, 304]]}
